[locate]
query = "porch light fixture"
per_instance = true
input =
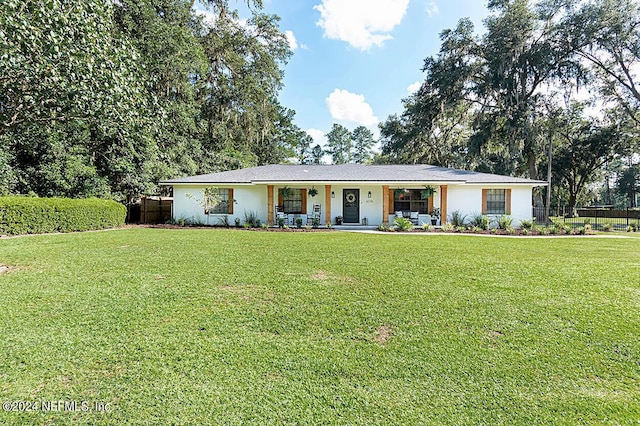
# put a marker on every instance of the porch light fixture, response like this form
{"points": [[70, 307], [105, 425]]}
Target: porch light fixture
{"points": [[333, 194], [369, 194]]}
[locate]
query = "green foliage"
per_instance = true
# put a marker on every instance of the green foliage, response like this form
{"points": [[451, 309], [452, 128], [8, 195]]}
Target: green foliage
{"points": [[362, 144], [582, 148], [107, 98], [316, 154], [27, 215], [607, 227], [302, 142], [458, 220], [224, 221], [284, 191], [339, 144], [628, 184], [482, 105], [62, 62], [427, 227], [480, 221], [403, 224], [122, 321], [448, 227], [504, 222], [298, 222], [526, 224], [605, 38], [251, 218], [427, 192]]}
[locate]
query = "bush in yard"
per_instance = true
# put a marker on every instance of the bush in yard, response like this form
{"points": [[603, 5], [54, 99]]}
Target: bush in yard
{"points": [[526, 224], [607, 227], [504, 222], [403, 224], [479, 221], [251, 218], [458, 219], [26, 215]]}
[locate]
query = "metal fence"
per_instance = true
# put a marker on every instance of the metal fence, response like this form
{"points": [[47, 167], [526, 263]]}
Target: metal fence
{"points": [[598, 218]]}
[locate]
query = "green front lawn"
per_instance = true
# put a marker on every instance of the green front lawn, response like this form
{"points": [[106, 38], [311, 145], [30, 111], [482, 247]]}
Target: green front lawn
{"points": [[239, 327]]}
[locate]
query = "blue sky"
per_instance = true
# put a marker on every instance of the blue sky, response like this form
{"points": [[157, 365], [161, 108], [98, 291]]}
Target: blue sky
{"points": [[354, 60]]}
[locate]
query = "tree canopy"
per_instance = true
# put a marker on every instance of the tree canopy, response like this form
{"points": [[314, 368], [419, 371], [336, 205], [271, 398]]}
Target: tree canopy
{"points": [[107, 98], [487, 101]]}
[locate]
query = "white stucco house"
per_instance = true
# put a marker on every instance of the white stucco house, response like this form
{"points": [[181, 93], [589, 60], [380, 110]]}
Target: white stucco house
{"points": [[360, 194]]}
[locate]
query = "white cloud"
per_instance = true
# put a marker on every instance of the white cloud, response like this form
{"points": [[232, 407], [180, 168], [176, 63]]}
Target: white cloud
{"points": [[346, 106], [293, 42], [413, 87], [318, 136], [361, 23], [291, 38], [432, 8]]}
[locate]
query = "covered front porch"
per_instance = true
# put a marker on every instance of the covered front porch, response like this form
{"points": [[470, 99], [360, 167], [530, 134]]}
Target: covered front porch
{"points": [[357, 204]]}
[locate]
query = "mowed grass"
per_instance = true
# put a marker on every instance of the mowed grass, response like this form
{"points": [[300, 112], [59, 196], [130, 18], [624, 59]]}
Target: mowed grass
{"points": [[238, 327]]}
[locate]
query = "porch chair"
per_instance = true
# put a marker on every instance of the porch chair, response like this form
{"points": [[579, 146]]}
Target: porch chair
{"points": [[280, 214], [399, 214], [315, 214], [414, 217]]}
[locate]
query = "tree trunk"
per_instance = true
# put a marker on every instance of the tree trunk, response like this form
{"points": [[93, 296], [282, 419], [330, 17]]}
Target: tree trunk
{"points": [[572, 202], [538, 201], [547, 209]]}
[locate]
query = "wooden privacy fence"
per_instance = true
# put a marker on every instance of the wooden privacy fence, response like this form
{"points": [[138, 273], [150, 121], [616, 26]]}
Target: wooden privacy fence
{"points": [[155, 209]]}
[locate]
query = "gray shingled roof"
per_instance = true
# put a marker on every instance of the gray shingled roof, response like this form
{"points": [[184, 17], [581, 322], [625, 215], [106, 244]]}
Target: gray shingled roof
{"points": [[285, 173]]}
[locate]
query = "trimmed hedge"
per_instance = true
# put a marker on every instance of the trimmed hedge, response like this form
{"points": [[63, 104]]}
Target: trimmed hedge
{"points": [[26, 215]]}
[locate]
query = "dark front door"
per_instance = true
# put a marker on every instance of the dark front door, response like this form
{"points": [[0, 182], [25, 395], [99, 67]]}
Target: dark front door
{"points": [[351, 205]]}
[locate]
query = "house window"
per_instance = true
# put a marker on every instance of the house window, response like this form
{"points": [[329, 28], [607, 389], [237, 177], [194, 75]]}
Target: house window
{"points": [[410, 200], [496, 201], [292, 202], [224, 205]]}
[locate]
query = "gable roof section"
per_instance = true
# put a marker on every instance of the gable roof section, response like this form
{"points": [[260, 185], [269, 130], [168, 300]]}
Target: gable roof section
{"points": [[285, 173]]}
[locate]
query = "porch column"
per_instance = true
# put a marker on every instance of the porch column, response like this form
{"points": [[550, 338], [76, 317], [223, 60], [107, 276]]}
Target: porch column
{"points": [[270, 205], [327, 204], [443, 204], [385, 204]]}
